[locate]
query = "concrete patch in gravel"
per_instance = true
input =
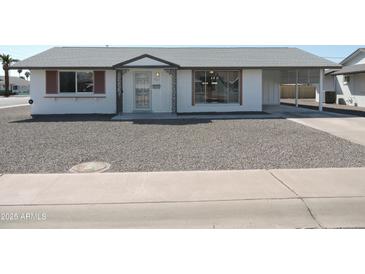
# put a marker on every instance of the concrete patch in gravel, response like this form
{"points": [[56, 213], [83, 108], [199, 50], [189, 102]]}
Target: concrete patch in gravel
{"points": [[90, 167]]}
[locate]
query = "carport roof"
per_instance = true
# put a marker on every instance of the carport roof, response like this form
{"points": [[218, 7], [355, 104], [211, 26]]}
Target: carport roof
{"points": [[184, 57]]}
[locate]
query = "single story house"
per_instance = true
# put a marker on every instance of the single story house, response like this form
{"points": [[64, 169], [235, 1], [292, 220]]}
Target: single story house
{"points": [[166, 79], [16, 84], [349, 81]]}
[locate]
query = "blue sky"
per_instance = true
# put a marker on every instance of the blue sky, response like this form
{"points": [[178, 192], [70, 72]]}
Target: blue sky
{"points": [[334, 53]]}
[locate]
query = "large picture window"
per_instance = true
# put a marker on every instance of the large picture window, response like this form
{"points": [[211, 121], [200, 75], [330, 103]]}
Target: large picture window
{"points": [[80, 81], [216, 86]]}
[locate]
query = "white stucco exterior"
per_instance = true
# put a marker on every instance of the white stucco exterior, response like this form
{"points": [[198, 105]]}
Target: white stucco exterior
{"points": [[82, 104], [259, 87], [255, 85]]}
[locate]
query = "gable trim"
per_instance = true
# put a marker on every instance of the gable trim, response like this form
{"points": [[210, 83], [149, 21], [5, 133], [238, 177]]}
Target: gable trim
{"points": [[125, 63]]}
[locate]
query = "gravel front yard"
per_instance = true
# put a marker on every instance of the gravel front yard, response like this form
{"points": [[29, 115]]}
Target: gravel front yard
{"points": [[47, 145]]}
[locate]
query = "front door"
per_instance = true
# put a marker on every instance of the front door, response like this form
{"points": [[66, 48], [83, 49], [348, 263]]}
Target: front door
{"points": [[142, 87]]}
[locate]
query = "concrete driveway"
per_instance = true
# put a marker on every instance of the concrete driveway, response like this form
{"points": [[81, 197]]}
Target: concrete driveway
{"points": [[349, 127], [13, 101], [302, 198]]}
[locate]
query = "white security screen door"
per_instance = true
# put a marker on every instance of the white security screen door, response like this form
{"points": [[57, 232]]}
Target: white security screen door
{"points": [[142, 83]]}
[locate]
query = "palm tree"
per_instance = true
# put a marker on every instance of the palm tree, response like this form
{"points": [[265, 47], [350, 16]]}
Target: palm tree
{"points": [[27, 74], [6, 60], [19, 71]]}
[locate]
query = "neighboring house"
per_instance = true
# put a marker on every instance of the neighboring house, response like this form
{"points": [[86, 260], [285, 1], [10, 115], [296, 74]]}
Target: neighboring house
{"points": [[349, 82], [16, 84], [176, 80]]}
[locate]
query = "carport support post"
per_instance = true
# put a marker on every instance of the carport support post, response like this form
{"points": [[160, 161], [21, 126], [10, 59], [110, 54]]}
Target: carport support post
{"points": [[320, 104], [296, 88], [173, 73]]}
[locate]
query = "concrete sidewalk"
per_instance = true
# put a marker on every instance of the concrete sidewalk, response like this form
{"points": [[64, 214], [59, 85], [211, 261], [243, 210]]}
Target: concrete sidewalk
{"points": [[305, 198]]}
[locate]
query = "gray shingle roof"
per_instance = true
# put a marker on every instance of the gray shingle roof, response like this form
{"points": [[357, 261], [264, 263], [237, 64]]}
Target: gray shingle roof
{"points": [[106, 57], [351, 69]]}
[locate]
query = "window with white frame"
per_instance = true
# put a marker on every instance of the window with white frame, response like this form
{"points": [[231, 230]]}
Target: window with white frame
{"points": [[76, 81]]}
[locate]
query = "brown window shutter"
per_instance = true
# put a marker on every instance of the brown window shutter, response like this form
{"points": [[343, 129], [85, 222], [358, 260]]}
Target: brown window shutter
{"points": [[99, 81], [51, 81]]}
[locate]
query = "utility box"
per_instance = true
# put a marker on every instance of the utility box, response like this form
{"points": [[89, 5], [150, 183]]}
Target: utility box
{"points": [[330, 97]]}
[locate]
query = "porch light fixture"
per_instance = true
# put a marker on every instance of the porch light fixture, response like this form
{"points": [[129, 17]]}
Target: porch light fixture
{"points": [[157, 74]]}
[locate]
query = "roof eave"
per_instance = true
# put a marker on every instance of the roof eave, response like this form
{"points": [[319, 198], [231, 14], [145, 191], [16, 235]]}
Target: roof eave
{"points": [[59, 67], [174, 66], [263, 67], [348, 72]]}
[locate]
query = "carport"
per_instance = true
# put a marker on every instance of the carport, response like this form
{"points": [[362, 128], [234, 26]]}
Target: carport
{"points": [[274, 78]]}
